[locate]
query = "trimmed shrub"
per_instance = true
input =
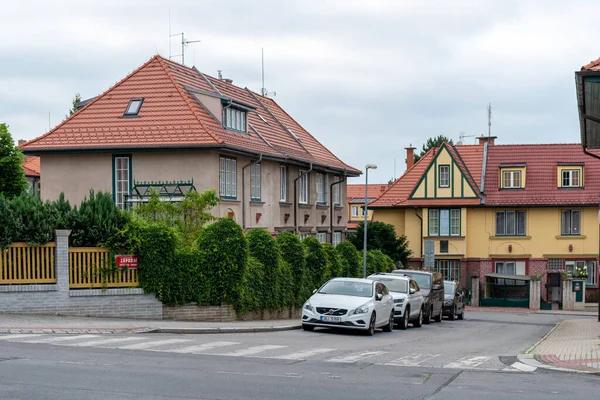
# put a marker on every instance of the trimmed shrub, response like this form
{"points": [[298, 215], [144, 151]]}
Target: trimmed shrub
{"points": [[349, 259], [316, 261], [293, 253], [334, 268], [285, 288], [224, 251], [264, 248], [9, 224], [251, 296], [36, 220]]}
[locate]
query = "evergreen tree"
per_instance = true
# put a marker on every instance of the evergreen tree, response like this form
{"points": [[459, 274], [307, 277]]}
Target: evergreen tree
{"points": [[12, 176], [73, 109], [431, 143]]}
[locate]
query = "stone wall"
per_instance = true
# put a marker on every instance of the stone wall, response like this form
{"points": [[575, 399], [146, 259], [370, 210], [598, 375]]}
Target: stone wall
{"points": [[539, 267], [59, 299], [224, 313]]}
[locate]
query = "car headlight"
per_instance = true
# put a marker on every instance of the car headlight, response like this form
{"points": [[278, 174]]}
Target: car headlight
{"points": [[308, 306], [448, 303], [362, 310], [398, 301]]}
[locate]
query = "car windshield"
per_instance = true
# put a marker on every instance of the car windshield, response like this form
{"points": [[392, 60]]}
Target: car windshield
{"points": [[348, 288], [448, 287], [393, 285], [422, 280]]}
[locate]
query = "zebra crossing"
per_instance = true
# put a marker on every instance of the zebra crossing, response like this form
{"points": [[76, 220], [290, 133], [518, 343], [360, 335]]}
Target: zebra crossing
{"points": [[273, 351]]}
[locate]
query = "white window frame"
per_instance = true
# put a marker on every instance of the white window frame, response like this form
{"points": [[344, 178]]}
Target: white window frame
{"points": [[336, 238], [283, 183], [517, 268], [354, 211], [227, 178], [322, 237], [255, 182], [303, 235], [433, 221], [591, 269], [336, 194], [303, 188], [444, 221], [121, 179], [569, 176], [235, 119], [322, 188], [512, 179], [444, 178]]}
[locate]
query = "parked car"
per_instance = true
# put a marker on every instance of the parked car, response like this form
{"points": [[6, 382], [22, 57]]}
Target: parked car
{"points": [[432, 287], [454, 302], [408, 299], [350, 303]]}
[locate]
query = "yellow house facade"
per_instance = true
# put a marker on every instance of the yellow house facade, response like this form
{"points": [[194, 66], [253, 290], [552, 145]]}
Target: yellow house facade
{"points": [[528, 210]]}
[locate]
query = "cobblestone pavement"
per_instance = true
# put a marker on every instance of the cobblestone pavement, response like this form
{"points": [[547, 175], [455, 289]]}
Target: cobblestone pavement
{"points": [[572, 344]]}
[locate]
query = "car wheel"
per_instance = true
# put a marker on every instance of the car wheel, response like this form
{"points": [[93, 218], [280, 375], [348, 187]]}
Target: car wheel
{"points": [[462, 314], [419, 322], [453, 314], [390, 325], [371, 329], [427, 318], [404, 320], [308, 327], [438, 318]]}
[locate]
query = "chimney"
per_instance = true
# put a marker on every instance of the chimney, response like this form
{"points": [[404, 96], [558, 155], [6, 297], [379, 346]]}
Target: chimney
{"points": [[487, 139], [22, 141], [410, 156]]}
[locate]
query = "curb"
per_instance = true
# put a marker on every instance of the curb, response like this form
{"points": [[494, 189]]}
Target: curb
{"points": [[529, 359], [528, 351], [201, 331]]}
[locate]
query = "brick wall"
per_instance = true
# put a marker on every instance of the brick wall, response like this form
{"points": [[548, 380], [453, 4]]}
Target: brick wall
{"points": [[539, 266]]}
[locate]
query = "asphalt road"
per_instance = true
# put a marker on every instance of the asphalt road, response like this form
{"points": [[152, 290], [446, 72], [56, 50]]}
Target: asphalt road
{"points": [[453, 360]]}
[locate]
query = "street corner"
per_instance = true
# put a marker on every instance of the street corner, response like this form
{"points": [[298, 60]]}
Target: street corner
{"points": [[585, 365]]}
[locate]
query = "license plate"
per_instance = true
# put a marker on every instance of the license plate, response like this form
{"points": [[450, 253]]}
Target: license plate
{"points": [[327, 318]]}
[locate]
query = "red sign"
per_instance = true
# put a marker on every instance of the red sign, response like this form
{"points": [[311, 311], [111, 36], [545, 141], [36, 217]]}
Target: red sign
{"points": [[577, 287], [129, 261]]}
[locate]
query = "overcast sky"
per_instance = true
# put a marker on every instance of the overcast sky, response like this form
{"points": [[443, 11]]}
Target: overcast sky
{"points": [[367, 78]]}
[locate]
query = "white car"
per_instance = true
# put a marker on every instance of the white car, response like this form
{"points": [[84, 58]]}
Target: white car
{"points": [[363, 304], [408, 299]]}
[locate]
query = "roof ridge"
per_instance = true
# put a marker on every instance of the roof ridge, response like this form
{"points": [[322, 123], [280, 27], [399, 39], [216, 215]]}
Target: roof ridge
{"points": [[186, 99], [91, 102]]}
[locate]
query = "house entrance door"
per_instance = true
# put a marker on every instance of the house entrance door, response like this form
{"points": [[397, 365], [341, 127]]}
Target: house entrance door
{"points": [[554, 287]]}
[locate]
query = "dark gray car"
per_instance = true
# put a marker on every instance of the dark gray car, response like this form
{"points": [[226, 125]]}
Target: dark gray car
{"points": [[432, 287], [454, 303]]}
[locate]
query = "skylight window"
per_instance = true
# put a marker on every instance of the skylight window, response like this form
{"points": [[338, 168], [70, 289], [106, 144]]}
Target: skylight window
{"points": [[133, 108]]}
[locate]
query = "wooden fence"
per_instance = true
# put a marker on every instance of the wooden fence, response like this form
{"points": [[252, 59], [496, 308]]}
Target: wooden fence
{"points": [[22, 264], [90, 268]]}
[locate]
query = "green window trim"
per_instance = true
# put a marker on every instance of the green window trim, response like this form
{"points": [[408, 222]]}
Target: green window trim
{"points": [[453, 229], [121, 203], [227, 165]]}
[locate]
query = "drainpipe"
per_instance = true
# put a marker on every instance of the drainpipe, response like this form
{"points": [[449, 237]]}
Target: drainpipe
{"points": [[244, 189], [421, 218], [296, 197], [331, 205], [598, 157]]}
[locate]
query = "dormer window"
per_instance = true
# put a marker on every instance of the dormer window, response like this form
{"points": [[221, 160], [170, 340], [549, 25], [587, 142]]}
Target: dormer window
{"points": [[235, 119], [444, 180], [511, 179], [570, 178], [133, 108]]}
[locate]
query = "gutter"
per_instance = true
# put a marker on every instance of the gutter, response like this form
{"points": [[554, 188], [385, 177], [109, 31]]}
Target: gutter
{"points": [[244, 189], [296, 197], [331, 205], [421, 218]]}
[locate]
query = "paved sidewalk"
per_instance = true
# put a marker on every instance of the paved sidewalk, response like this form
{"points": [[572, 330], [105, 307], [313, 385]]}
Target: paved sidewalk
{"points": [[526, 310], [18, 323], [572, 345]]}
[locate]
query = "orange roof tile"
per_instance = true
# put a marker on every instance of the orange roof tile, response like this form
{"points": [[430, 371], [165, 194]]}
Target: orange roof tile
{"points": [[31, 166], [354, 191], [172, 117], [592, 66]]}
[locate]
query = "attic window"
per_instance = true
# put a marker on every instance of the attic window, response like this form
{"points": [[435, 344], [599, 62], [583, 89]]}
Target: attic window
{"points": [[133, 108], [235, 119]]}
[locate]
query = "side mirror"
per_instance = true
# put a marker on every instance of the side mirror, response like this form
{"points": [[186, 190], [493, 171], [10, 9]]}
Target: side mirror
{"points": [[412, 291], [378, 296], [315, 291], [437, 286]]}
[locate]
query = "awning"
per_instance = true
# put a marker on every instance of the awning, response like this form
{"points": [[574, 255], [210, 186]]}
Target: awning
{"points": [[511, 277]]}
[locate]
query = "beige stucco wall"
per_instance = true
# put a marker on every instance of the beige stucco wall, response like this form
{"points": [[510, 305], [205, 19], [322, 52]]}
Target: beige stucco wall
{"points": [[75, 175]]}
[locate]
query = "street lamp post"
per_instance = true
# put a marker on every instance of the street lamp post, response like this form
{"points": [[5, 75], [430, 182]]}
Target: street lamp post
{"points": [[366, 211]]}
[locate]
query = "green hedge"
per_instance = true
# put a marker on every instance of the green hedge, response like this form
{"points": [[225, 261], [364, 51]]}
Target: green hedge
{"points": [[349, 259]]}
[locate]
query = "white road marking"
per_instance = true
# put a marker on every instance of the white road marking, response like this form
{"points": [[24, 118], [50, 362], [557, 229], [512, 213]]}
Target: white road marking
{"points": [[412, 360], [356, 357], [53, 340], [303, 355], [252, 350], [20, 336], [102, 342], [468, 362], [523, 367], [202, 347], [148, 345]]}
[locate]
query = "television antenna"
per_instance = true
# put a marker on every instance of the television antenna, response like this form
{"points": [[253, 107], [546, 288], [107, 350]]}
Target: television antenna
{"points": [[184, 43], [462, 136], [263, 90], [490, 119]]}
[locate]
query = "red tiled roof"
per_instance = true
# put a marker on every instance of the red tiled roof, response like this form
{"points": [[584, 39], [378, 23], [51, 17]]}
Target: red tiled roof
{"points": [[31, 166], [592, 66], [468, 158], [172, 117], [354, 191], [541, 175]]}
